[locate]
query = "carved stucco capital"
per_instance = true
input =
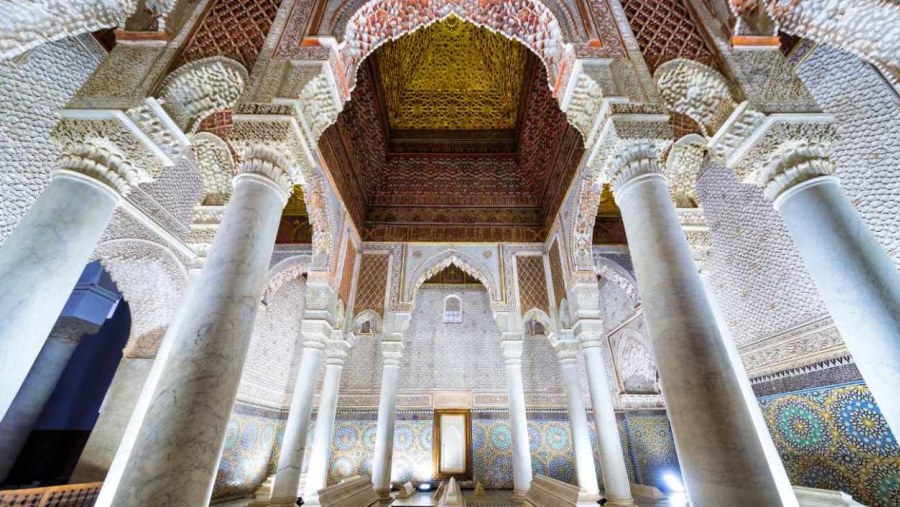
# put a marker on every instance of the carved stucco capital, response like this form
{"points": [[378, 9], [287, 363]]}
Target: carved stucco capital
{"points": [[567, 352], [392, 352], [631, 162], [122, 148], [269, 163], [793, 163], [336, 352], [590, 333]]}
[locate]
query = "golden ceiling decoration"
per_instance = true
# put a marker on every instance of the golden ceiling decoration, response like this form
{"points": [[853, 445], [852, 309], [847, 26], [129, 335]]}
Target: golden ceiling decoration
{"points": [[608, 205], [296, 205], [452, 75]]}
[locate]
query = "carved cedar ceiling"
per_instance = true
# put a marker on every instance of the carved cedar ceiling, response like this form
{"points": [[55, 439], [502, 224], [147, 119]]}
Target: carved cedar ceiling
{"points": [[665, 30], [452, 134]]}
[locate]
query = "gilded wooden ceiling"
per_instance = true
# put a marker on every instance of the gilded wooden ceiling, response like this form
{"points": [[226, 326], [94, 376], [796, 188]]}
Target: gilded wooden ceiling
{"points": [[452, 75]]}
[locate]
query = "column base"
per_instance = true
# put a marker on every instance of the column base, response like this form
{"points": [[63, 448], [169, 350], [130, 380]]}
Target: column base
{"points": [[518, 496], [587, 498], [619, 502], [277, 502]]}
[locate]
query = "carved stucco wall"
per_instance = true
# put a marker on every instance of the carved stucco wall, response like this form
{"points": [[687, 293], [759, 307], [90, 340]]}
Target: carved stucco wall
{"points": [[759, 278], [32, 88], [453, 356], [267, 372], [867, 114]]}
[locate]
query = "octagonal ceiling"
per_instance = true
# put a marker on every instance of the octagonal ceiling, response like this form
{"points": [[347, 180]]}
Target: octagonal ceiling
{"points": [[452, 75], [452, 134]]}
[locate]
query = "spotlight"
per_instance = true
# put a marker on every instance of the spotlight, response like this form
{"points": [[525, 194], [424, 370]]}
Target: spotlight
{"points": [[425, 486]]}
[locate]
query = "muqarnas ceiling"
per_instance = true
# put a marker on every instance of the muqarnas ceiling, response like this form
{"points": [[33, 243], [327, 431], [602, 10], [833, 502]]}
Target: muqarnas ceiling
{"points": [[452, 134]]}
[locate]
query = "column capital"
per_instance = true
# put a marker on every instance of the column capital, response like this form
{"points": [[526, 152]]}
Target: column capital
{"points": [[792, 165], [590, 333], [279, 134], [631, 162], [121, 147], [512, 351], [567, 352], [314, 333], [336, 352], [261, 160], [392, 352]]}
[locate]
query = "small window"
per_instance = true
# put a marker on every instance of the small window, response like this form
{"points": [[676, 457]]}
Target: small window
{"points": [[365, 327], [452, 310], [534, 328]]}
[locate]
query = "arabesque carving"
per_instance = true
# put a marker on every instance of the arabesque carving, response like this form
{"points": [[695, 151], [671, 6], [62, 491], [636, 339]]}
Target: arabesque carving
{"points": [[695, 90], [196, 90]]}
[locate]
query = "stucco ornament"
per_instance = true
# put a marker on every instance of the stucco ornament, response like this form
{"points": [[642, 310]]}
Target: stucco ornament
{"points": [[121, 148], [682, 167], [25, 25], [152, 280], [216, 166], [203, 87], [695, 90], [441, 261]]}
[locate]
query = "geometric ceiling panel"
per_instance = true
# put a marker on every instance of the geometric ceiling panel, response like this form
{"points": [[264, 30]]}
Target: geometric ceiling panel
{"points": [[452, 75]]}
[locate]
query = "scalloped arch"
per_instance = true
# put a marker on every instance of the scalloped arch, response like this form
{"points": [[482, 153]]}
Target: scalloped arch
{"points": [[284, 271], [465, 262], [527, 21]]}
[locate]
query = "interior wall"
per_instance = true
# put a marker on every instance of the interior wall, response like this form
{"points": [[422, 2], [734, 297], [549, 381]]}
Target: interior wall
{"points": [[34, 86]]}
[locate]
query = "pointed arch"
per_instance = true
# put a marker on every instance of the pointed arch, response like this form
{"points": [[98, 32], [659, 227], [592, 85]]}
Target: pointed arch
{"points": [[463, 261], [285, 271], [152, 280], [529, 22]]}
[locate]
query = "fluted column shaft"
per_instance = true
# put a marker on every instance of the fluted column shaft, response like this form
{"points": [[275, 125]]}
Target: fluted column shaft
{"points": [[38, 386], [317, 475], [567, 353], [721, 458], [177, 451], [522, 474], [858, 282], [40, 262], [290, 462], [392, 352]]}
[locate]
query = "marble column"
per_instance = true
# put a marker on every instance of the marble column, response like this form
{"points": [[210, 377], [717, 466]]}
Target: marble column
{"points": [[512, 357], [38, 386], [177, 450], [41, 260], [617, 487], [290, 463], [567, 354], [722, 461], [141, 406], [858, 282], [392, 353], [319, 460], [788, 498]]}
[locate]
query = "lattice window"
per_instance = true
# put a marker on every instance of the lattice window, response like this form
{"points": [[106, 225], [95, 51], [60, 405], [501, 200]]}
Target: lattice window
{"points": [[370, 290], [532, 283], [347, 272], [452, 310], [665, 30], [556, 273], [233, 29]]}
